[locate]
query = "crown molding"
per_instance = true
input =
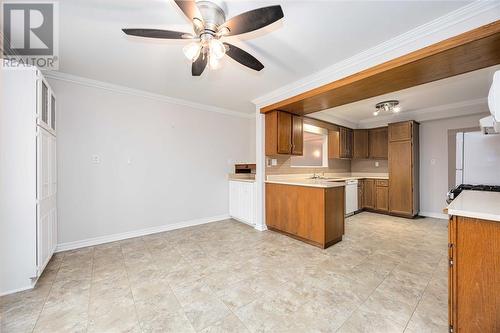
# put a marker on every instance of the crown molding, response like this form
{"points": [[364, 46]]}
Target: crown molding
{"points": [[60, 76], [454, 23], [445, 111]]}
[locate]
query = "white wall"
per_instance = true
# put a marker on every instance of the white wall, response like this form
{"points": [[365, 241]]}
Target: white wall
{"points": [[434, 161], [179, 160]]}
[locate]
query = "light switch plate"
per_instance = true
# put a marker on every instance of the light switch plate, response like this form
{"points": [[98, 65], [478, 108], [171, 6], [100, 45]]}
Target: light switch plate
{"points": [[274, 162], [377, 164], [96, 159]]}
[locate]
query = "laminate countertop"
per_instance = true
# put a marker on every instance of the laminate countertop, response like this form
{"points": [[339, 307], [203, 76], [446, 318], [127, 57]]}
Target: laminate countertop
{"points": [[476, 204], [321, 183]]}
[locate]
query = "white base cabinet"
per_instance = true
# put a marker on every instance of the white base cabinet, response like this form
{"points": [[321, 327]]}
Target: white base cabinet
{"points": [[242, 201], [28, 177]]}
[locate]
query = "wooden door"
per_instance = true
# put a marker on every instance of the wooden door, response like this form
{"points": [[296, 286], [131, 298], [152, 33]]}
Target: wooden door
{"points": [[400, 178], [360, 144], [297, 135], [284, 133], [382, 198], [333, 144], [369, 191], [378, 143]]}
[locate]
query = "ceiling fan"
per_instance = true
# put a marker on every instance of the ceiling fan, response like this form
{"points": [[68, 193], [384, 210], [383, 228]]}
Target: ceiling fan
{"points": [[210, 26]]}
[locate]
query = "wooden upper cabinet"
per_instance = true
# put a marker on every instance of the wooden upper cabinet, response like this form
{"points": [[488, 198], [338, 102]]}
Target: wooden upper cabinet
{"points": [[360, 144], [378, 143], [297, 135], [333, 144], [284, 134], [400, 131], [340, 143], [346, 142]]}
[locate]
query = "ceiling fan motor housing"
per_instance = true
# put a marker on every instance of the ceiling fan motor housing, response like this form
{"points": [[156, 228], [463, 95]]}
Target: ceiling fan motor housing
{"points": [[213, 17]]}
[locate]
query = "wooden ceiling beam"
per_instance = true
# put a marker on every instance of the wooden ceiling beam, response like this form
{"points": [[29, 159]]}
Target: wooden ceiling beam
{"points": [[470, 51]]}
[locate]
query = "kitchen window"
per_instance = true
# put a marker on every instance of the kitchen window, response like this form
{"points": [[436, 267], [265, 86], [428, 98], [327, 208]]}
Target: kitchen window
{"points": [[315, 154]]}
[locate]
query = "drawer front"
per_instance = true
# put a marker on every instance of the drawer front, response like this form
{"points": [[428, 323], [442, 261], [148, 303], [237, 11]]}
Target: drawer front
{"points": [[382, 182]]}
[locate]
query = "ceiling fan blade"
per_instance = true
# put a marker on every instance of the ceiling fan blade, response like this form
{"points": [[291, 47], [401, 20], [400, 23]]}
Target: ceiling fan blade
{"points": [[243, 57], [157, 33], [189, 9], [253, 20], [199, 65]]}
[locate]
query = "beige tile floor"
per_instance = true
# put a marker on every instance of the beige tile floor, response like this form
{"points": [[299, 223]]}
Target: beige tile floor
{"points": [[388, 275]]}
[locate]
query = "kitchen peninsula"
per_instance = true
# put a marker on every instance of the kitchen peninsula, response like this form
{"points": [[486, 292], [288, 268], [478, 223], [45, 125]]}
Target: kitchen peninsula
{"points": [[310, 210]]}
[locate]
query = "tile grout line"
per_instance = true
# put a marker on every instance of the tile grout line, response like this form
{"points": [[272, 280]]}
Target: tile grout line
{"points": [[423, 292], [385, 278], [48, 294], [130, 287], [90, 289]]}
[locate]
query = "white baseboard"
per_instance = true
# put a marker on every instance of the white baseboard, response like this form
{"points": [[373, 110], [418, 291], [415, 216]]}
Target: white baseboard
{"points": [[261, 227], [4, 293], [434, 215], [137, 233]]}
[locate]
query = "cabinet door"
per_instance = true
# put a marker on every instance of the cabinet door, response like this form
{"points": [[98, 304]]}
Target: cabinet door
{"points": [[360, 144], [378, 143], [233, 200], [345, 142], [349, 142], [46, 197], [400, 178], [333, 144], [369, 192], [382, 198], [452, 273], [361, 194], [400, 131], [297, 135], [284, 133]]}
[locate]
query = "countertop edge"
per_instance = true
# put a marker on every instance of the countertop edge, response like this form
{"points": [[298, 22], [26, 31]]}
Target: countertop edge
{"points": [[324, 186]]}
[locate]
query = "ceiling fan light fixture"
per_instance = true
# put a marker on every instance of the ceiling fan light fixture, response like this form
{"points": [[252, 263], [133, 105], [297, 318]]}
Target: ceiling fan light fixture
{"points": [[192, 51], [216, 49]]}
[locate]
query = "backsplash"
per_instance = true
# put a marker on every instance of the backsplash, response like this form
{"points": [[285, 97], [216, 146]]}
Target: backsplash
{"points": [[368, 166], [284, 167]]}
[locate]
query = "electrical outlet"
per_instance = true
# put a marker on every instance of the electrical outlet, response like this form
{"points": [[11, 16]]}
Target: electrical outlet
{"points": [[274, 162], [433, 161], [96, 159], [377, 164]]}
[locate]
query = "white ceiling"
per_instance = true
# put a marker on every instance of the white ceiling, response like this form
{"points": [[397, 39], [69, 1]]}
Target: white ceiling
{"points": [[313, 35], [428, 101]]}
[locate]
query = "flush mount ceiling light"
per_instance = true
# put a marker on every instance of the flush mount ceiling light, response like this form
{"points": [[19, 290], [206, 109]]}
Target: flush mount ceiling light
{"points": [[210, 27], [387, 106]]}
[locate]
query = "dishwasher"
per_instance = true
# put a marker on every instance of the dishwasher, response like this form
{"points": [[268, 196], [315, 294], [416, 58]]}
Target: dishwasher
{"points": [[351, 197]]}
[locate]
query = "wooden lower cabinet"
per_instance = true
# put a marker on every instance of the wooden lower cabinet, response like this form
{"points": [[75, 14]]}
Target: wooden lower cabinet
{"points": [[369, 193], [474, 275], [375, 195], [382, 198], [311, 214]]}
